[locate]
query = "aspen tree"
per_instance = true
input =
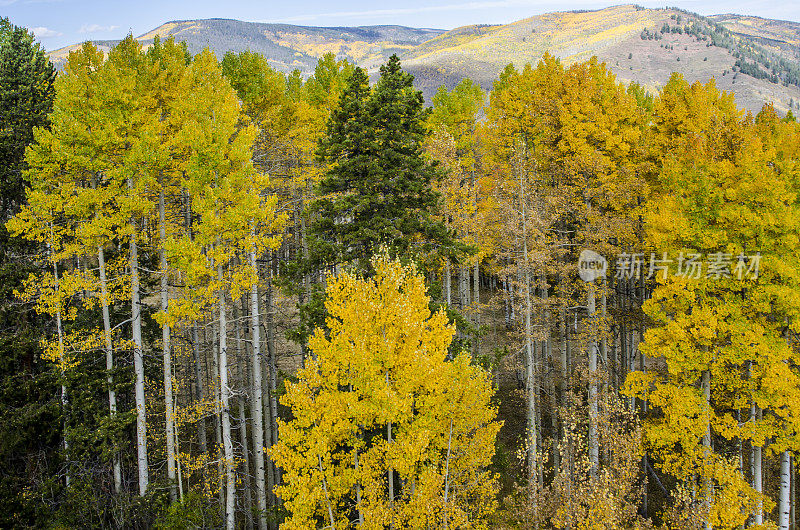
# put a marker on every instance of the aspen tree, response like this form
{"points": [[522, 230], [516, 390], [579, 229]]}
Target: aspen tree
{"points": [[234, 220], [165, 67], [385, 364], [723, 328]]}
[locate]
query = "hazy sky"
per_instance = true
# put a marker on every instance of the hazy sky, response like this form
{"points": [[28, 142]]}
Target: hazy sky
{"points": [[61, 22]]}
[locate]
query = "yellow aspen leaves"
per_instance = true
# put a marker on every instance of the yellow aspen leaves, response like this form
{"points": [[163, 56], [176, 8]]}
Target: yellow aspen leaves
{"points": [[379, 399]]}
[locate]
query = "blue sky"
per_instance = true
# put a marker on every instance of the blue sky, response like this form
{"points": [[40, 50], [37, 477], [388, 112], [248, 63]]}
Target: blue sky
{"points": [[61, 22]]}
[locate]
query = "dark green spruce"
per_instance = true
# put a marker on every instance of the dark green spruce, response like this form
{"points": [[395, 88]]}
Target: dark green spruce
{"points": [[377, 190], [30, 415]]}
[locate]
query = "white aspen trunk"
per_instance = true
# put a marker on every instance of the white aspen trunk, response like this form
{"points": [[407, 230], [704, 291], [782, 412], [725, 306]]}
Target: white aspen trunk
{"points": [[358, 480], [550, 368], [248, 497], [447, 473], [169, 406], [463, 286], [273, 376], [178, 463], [476, 294], [529, 360], [64, 398], [240, 402], [562, 386], [623, 349], [594, 446], [218, 445], [785, 489], [390, 471], [269, 467], [257, 405], [604, 339], [448, 276], [537, 384], [793, 487], [202, 436], [758, 482], [325, 490], [707, 486], [227, 442], [551, 389], [304, 294], [109, 347], [358, 493], [138, 366], [784, 504]]}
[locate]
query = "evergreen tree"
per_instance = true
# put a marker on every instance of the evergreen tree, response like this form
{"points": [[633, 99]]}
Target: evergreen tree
{"points": [[377, 189], [29, 407]]}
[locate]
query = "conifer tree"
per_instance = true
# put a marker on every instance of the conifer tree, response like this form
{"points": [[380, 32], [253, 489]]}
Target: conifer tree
{"points": [[29, 424], [377, 188]]}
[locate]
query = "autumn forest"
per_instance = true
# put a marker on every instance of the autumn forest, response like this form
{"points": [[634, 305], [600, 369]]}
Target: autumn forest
{"points": [[236, 298]]}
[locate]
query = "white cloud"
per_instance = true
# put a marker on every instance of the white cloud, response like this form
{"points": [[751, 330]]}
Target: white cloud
{"points": [[42, 32], [94, 28]]}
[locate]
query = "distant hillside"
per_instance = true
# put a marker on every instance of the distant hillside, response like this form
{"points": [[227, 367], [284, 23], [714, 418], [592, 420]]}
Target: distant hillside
{"points": [[642, 45], [781, 36], [287, 47], [756, 59]]}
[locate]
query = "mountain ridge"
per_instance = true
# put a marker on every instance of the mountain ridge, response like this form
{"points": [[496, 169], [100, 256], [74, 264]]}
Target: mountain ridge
{"points": [[755, 58]]}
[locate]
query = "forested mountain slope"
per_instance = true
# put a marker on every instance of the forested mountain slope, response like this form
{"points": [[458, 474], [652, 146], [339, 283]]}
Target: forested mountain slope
{"points": [[756, 59]]}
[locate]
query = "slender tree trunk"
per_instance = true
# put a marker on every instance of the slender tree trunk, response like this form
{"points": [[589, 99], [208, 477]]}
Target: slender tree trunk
{"points": [[218, 445], [62, 362], [758, 483], [325, 490], [463, 286], [390, 471], [202, 435], [793, 487], [269, 440], [604, 338], [448, 276], [476, 300], [169, 406], [138, 365], [707, 487], [304, 294], [784, 502], [530, 389], [623, 348], [257, 405], [230, 483], [241, 370], [248, 497], [109, 347], [272, 381], [594, 445], [447, 473], [358, 483]]}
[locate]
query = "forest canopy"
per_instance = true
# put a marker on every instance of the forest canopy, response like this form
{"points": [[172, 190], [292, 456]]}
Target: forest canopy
{"points": [[235, 297]]}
